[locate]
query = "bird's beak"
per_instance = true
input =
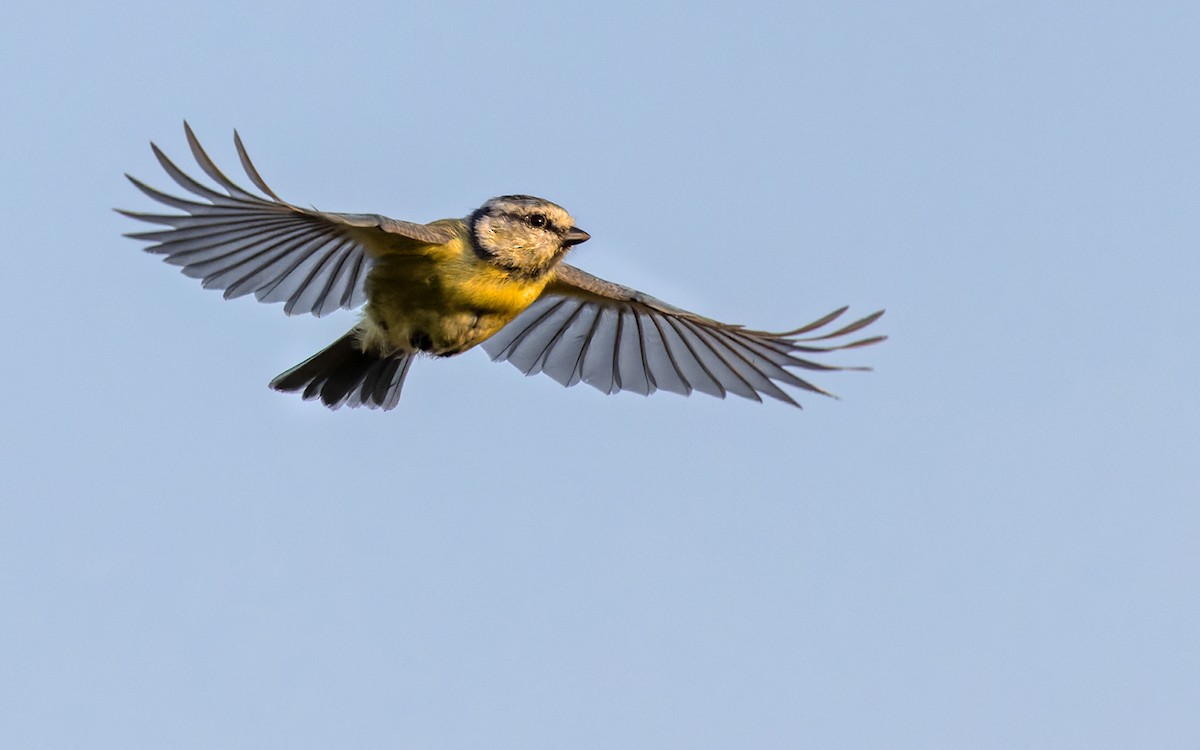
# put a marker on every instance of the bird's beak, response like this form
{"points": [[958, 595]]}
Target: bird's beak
{"points": [[574, 236]]}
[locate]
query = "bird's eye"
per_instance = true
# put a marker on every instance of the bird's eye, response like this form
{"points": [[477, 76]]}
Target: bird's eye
{"points": [[537, 220]]}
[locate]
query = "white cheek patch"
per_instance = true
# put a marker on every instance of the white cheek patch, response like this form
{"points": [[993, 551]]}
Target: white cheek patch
{"points": [[506, 236]]}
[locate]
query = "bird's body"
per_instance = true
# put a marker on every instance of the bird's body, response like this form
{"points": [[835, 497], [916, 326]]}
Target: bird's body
{"points": [[445, 298], [439, 303], [494, 277], [439, 299]]}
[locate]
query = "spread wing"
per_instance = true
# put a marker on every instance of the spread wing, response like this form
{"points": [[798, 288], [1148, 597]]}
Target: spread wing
{"points": [[312, 261], [583, 328]]}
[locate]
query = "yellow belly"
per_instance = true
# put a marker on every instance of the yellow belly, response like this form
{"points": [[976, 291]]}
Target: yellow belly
{"points": [[443, 303]]}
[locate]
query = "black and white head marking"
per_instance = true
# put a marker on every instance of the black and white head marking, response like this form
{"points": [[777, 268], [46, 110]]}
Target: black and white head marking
{"points": [[524, 235]]}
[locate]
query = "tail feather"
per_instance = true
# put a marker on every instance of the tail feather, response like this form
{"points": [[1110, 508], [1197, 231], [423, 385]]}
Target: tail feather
{"points": [[343, 374]]}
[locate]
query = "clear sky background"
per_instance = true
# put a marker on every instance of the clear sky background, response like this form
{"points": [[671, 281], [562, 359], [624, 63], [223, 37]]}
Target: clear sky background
{"points": [[991, 541]]}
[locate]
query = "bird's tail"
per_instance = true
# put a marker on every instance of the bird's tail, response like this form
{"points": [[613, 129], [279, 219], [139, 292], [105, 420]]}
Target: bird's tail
{"points": [[343, 374]]}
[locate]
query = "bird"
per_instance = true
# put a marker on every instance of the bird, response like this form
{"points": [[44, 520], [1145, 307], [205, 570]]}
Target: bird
{"points": [[495, 279]]}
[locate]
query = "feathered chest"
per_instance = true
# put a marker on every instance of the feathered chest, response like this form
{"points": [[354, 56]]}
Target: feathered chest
{"points": [[443, 303]]}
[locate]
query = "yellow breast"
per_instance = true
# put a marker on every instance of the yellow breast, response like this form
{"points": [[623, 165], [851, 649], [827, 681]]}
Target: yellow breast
{"points": [[443, 300]]}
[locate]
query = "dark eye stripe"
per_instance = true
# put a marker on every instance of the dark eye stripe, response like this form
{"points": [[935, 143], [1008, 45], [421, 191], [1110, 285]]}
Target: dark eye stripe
{"points": [[547, 222]]}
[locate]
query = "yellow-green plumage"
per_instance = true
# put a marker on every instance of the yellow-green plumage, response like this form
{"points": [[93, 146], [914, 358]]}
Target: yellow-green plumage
{"points": [[440, 298], [443, 299]]}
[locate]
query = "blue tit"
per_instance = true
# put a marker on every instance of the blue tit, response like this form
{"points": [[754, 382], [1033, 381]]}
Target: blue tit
{"points": [[495, 278]]}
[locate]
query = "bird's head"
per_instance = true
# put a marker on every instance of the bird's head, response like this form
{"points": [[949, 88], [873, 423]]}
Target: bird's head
{"points": [[524, 235]]}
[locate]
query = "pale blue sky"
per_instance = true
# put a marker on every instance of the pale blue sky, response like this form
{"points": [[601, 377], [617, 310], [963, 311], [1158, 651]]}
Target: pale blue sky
{"points": [[989, 542]]}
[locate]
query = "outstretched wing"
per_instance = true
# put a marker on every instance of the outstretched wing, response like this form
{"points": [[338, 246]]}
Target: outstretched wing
{"points": [[583, 328], [312, 261]]}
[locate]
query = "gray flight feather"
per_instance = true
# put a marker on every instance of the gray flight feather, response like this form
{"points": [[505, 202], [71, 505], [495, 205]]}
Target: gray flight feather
{"points": [[586, 329], [312, 261]]}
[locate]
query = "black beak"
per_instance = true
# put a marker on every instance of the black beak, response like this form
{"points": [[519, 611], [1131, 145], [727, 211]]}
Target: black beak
{"points": [[574, 236]]}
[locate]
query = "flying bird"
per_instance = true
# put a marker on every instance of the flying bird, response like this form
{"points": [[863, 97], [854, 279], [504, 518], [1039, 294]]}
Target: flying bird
{"points": [[495, 278]]}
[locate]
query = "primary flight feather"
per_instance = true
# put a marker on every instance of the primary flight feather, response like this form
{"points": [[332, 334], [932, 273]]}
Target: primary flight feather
{"points": [[494, 278]]}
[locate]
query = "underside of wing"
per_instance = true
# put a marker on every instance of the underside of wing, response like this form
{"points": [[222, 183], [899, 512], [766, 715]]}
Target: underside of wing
{"points": [[243, 243], [586, 329]]}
